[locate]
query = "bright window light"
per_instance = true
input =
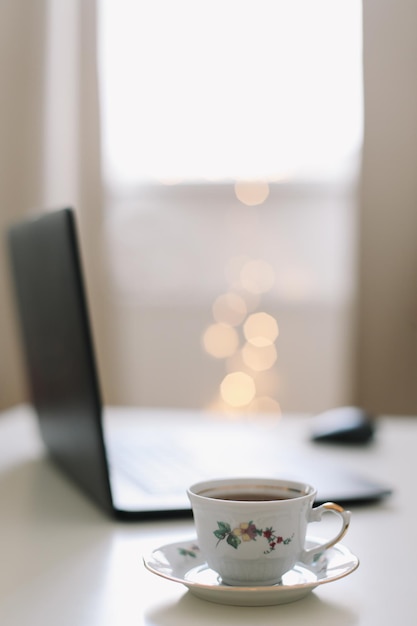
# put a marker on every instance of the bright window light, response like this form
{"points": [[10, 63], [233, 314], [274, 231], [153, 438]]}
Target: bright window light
{"points": [[220, 90]]}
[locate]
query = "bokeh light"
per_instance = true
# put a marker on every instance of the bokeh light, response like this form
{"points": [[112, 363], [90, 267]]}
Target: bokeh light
{"points": [[252, 193], [220, 340], [229, 308], [259, 358], [260, 329], [238, 389], [265, 404]]}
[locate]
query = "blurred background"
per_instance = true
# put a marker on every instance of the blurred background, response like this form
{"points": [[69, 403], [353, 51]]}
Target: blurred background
{"points": [[243, 174]]}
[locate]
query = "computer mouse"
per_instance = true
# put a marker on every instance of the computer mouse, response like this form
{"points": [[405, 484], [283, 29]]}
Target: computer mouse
{"points": [[343, 425]]}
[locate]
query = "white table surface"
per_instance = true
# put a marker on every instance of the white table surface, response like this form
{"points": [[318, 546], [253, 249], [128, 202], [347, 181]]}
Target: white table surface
{"points": [[63, 563]]}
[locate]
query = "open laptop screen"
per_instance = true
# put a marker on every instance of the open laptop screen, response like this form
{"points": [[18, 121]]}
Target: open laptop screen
{"points": [[58, 348]]}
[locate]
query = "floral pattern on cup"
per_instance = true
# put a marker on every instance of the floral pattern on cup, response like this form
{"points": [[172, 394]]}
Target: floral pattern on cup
{"points": [[247, 531]]}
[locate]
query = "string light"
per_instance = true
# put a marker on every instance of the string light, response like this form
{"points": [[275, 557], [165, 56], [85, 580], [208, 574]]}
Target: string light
{"points": [[245, 337]]}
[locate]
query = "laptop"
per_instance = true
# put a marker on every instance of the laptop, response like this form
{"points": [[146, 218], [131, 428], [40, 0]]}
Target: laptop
{"points": [[135, 463]]}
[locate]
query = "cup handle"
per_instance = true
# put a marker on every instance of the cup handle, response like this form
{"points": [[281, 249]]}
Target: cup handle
{"points": [[315, 516]]}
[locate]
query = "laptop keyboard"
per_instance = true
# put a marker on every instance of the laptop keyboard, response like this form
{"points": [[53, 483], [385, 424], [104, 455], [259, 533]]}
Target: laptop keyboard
{"points": [[166, 462], [158, 469]]}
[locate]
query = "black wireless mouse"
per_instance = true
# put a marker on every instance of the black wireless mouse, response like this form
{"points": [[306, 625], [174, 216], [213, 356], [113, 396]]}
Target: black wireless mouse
{"points": [[343, 425]]}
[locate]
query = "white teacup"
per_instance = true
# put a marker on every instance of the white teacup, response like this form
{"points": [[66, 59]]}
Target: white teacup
{"points": [[253, 530]]}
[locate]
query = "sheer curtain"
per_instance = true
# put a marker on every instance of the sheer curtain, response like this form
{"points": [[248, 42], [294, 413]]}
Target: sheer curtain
{"points": [[50, 147], [21, 58]]}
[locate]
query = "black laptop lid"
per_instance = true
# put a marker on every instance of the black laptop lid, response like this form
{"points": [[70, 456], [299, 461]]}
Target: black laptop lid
{"points": [[57, 342]]}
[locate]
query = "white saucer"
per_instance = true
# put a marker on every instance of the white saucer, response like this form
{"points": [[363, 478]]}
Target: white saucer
{"points": [[183, 563]]}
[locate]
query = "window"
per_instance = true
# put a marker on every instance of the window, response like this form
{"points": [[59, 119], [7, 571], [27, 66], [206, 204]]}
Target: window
{"points": [[231, 136], [221, 90]]}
